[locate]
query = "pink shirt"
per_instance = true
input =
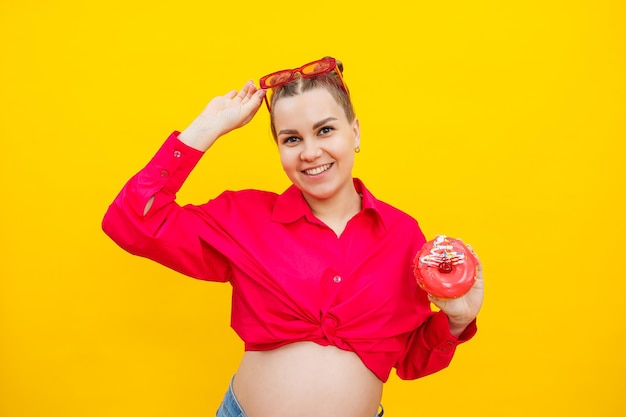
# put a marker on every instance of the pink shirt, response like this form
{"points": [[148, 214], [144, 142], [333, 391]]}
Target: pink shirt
{"points": [[293, 279]]}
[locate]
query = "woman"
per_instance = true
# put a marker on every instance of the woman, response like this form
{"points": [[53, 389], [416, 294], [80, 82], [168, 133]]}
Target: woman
{"points": [[323, 293]]}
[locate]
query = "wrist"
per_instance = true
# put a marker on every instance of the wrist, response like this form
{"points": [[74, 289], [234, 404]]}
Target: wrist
{"points": [[200, 136], [458, 326]]}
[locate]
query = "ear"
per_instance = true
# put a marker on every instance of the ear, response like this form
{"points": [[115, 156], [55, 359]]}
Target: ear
{"points": [[356, 128]]}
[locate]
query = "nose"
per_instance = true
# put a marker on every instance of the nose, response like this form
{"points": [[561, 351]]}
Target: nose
{"points": [[310, 151]]}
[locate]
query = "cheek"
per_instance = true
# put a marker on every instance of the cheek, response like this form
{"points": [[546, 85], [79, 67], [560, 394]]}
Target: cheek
{"points": [[347, 154], [350, 159], [287, 158]]}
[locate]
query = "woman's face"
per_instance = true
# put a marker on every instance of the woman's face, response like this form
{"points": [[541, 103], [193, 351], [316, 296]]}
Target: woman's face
{"points": [[316, 143]]}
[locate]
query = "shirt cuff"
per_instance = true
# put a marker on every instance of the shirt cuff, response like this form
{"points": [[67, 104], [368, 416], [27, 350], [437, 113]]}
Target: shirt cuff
{"points": [[438, 333], [171, 165]]}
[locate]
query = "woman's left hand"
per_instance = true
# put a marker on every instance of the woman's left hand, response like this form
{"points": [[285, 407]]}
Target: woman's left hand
{"points": [[463, 310]]}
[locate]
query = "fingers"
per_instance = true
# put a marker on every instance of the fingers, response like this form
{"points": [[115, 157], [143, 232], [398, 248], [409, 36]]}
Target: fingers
{"points": [[243, 93], [247, 91], [231, 94], [252, 105], [437, 301], [479, 266], [249, 97], [471, 249]]}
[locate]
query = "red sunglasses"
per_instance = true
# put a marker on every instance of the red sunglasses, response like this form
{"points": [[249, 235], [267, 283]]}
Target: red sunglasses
{"points": [[310, 70]]}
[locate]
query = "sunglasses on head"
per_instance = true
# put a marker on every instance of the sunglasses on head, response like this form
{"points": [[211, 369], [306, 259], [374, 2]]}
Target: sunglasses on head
{"points": [[310, 70]]}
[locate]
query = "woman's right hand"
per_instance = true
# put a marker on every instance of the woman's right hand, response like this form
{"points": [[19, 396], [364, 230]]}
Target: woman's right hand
{"points": [[221, 115]]}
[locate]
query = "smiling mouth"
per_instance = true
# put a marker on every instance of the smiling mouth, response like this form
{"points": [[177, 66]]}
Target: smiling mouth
{"points": [[317, 170]]}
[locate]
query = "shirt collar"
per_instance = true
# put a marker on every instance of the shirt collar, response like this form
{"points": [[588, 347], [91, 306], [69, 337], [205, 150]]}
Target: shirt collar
{"points": [[291, 205]]}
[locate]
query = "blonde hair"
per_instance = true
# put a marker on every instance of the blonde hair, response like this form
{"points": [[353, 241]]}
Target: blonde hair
{"points": [[329, 81]]}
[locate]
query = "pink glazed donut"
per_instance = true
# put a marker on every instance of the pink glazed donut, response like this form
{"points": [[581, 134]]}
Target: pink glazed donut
{"points": [[445, 267]]}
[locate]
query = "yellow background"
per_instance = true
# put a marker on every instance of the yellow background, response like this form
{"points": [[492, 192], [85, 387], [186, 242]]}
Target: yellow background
{"points": [[499, 122]]}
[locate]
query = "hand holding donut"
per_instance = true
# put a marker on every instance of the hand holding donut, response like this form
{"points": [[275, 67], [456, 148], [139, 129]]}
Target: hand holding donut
{"points": [[451, 273]]}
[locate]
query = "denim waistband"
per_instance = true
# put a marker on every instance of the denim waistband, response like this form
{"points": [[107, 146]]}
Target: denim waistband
{"points": [[230, 406]]}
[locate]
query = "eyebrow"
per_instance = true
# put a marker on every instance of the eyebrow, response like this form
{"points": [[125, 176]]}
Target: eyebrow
{"points": [[323, 122], [315, 126]]}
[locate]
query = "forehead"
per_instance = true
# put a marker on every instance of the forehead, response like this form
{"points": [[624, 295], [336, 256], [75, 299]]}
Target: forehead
{"points": [[308, 107]]}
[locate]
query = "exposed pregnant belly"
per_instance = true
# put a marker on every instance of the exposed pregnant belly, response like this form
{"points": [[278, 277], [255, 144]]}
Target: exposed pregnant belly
{"points": [[305, 379]]}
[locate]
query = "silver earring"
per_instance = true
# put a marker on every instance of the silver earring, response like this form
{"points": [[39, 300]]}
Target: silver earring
{"points": [[357, 149]]}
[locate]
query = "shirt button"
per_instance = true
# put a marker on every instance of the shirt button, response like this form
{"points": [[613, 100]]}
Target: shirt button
{"points": [[337, 279], [177, 154], [164, 173]]}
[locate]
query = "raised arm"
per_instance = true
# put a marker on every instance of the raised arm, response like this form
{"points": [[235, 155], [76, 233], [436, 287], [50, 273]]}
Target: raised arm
{"points": [[145, 219]]}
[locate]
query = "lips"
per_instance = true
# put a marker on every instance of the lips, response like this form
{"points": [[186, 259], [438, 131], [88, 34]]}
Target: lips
{"points": [[317, 170]]}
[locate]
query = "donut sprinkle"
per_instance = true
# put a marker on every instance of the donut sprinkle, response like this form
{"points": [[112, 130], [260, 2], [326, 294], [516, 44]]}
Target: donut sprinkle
{"points": [[442, 256]]}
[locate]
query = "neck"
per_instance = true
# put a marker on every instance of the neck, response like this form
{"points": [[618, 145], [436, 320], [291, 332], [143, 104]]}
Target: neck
{"points": [[337, 210]]}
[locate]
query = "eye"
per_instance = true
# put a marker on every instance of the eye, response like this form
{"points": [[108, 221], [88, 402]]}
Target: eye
{"points": [[326, 130], [291, 140]]}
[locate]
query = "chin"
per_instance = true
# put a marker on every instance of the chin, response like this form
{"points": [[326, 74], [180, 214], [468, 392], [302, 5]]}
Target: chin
{"points": [[319, 194]]}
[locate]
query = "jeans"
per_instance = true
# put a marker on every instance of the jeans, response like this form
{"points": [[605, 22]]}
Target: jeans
{"points": [[231, 408]]}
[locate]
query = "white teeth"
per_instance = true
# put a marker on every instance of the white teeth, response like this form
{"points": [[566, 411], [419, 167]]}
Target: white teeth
{"points": [[318, 170]]}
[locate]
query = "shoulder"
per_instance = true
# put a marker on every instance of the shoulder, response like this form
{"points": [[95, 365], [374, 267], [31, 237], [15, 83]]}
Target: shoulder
{"points": [[396, 222], [389, 214], [248, 196], [236, 202], [394, 214], [397, 219]]}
